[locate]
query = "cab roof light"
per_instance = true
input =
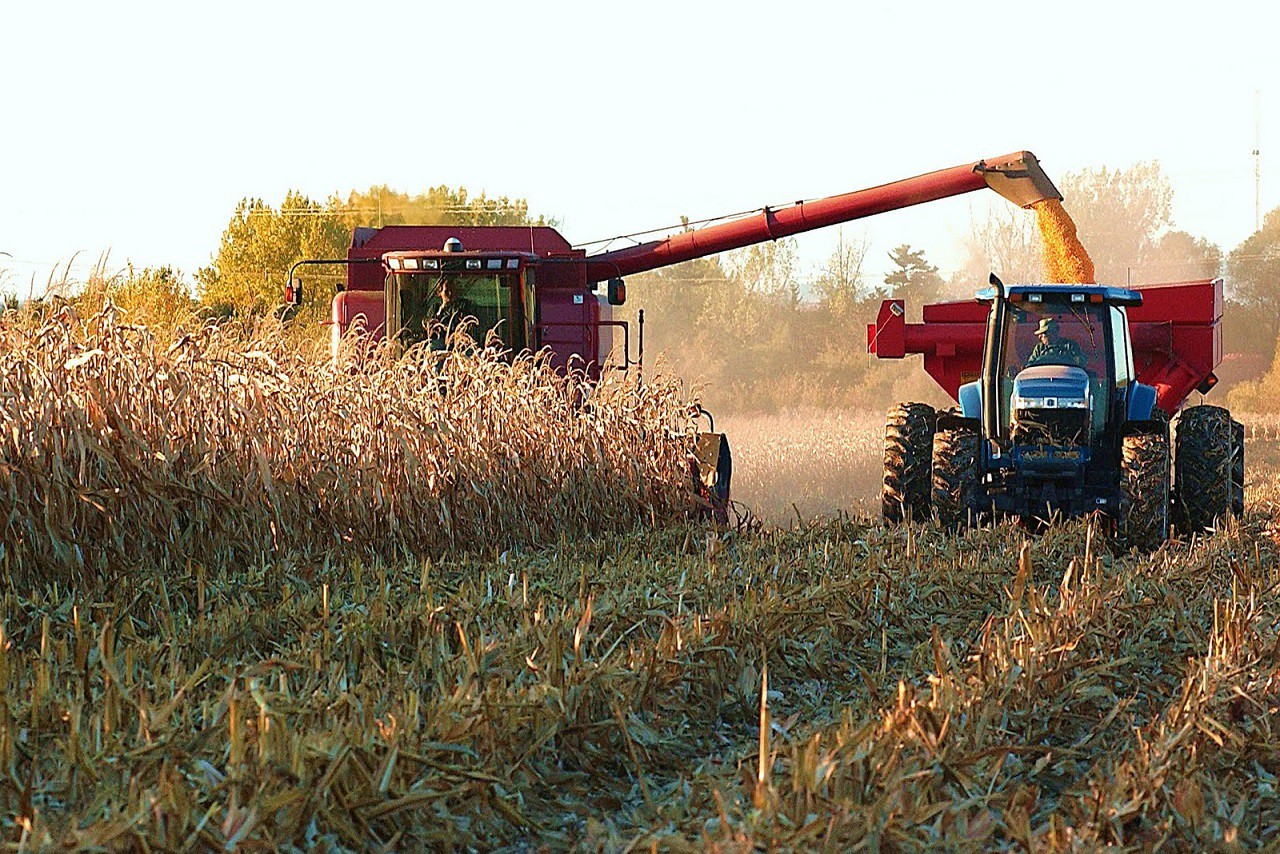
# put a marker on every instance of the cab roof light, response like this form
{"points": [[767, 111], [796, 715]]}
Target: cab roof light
{"points": [[1077, 297], [493, 264], [1015, 297], [411, 263], [431, 263], [393, 263], [1095, 297], [513, 263], [473, 263], [1035, 297]]}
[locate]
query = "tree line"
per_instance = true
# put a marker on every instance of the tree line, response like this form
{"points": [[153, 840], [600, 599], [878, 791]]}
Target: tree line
{"points": [[752, 327]]}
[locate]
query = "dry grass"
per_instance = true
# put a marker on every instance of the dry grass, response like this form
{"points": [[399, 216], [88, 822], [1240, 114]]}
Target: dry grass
{"points": [[119, 452], [923, 691], [604, 691], [806, 463]]}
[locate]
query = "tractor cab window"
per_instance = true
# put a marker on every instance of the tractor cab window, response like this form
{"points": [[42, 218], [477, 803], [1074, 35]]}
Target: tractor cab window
{"points": [[433, 307], [1057, 333]]}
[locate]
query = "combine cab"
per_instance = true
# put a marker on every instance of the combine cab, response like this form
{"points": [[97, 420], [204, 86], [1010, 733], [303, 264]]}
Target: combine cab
{"points": [[1065, 394]]}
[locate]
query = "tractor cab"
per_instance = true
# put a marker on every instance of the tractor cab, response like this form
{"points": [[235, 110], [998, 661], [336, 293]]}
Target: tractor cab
{"points": [[1062, 364]]}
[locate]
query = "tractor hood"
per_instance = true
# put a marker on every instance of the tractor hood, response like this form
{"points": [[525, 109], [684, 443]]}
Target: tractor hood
{"points": [[1051, 387]]}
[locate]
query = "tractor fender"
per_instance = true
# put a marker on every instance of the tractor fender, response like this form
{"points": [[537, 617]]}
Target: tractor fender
{"points": [[971, 399], [1142, 402]]}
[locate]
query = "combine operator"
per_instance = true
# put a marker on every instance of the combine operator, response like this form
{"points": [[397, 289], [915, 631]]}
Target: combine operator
{"points": [[1053, 348], [455, 313]]}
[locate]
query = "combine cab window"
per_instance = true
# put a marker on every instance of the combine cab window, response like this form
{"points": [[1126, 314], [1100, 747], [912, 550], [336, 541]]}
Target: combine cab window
{"points": [[427, 316]]}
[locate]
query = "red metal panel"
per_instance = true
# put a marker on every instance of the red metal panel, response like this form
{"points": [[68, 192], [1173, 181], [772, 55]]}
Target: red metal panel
{"points": [[372, 243], [348, 305], [565, 326], [1176, 336]]}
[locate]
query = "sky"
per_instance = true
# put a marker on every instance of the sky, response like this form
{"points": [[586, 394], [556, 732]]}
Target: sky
{"points": [[134, 128]]}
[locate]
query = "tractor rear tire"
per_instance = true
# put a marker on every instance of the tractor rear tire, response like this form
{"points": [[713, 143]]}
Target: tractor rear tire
{"points": [[1208, 468], [955, 476], [1144, 485], [908, 461]]}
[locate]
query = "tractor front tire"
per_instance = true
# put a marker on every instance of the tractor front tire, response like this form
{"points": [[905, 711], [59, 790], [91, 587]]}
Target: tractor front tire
{"points": [[908, 461], [1144, 485], [955, 476], [1208, 468]]}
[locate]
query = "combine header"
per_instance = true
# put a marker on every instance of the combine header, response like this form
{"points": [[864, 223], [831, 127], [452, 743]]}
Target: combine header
{"points": [[536, 292], [1065, 393]]}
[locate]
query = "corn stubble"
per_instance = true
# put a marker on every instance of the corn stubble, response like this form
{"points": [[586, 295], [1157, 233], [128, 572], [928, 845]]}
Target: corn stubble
{"points": [[917, 691]]}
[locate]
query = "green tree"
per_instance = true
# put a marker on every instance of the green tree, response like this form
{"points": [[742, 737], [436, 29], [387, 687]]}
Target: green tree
{"points": [[1178, 256], [912, 278], [1254, 273], [840, 286], [1120, 215], [155, 296], [261, 243], [441, 205], [1006, 243], [259, 246], [769, 269]]}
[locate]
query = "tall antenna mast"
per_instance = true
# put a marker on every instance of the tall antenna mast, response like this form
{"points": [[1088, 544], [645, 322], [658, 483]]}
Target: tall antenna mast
{"points": [[1257, 159]]}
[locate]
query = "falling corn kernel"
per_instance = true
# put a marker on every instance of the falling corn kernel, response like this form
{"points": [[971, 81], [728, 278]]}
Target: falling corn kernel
{"points": [[1065, 258]]}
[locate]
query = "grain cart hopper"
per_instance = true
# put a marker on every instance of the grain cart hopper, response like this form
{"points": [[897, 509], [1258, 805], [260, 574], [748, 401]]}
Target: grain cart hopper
{"points": [[536, 292], [1066, 430]]}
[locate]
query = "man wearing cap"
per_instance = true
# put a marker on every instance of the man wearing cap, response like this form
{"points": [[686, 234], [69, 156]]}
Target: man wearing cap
{"points": [[1054, 349], [455, 313]]}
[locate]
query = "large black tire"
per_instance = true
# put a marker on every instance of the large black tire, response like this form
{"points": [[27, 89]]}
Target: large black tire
{"points": [[1208, 468], [955, 476], [908, 461], [1144, 485]]}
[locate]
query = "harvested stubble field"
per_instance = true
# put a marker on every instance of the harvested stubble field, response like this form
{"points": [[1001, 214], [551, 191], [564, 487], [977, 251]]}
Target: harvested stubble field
{"points": [[604, 691]]}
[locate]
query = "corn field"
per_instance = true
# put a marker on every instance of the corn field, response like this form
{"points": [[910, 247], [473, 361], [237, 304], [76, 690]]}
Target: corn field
{"points": [[275, 636], [118, 452]]}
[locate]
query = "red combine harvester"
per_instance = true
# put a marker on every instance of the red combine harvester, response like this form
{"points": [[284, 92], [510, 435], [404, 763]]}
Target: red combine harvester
{"points": [[536, 292], [1065, 395]]}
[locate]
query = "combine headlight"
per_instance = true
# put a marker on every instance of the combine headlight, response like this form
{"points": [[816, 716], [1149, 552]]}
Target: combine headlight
{"points": [[393, 263], [473, 263], [493, 264], [411, 263], [430, 264]]}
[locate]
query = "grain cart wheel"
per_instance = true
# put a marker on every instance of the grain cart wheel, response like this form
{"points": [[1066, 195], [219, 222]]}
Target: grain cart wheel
{"points": [[955, 475], [1144, 485], [1206, 447], [908, 459]]}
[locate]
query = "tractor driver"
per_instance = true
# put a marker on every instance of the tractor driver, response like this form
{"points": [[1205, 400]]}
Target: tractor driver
{"points": [[455, 312], [1053, 348]]}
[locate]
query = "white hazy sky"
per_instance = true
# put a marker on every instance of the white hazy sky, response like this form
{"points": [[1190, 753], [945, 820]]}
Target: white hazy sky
{"points": [[136, 128]]}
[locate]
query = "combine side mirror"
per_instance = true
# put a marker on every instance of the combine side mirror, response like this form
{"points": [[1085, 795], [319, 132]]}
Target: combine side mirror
{"points": [[293, 292], [617, 292]]}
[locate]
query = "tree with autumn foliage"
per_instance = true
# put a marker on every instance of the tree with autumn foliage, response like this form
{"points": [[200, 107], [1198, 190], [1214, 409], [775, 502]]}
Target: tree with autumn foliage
{"points": [[261, 242]]}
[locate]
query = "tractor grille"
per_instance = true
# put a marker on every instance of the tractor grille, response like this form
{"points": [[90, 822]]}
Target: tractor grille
{"points": [[1051, 427]]}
